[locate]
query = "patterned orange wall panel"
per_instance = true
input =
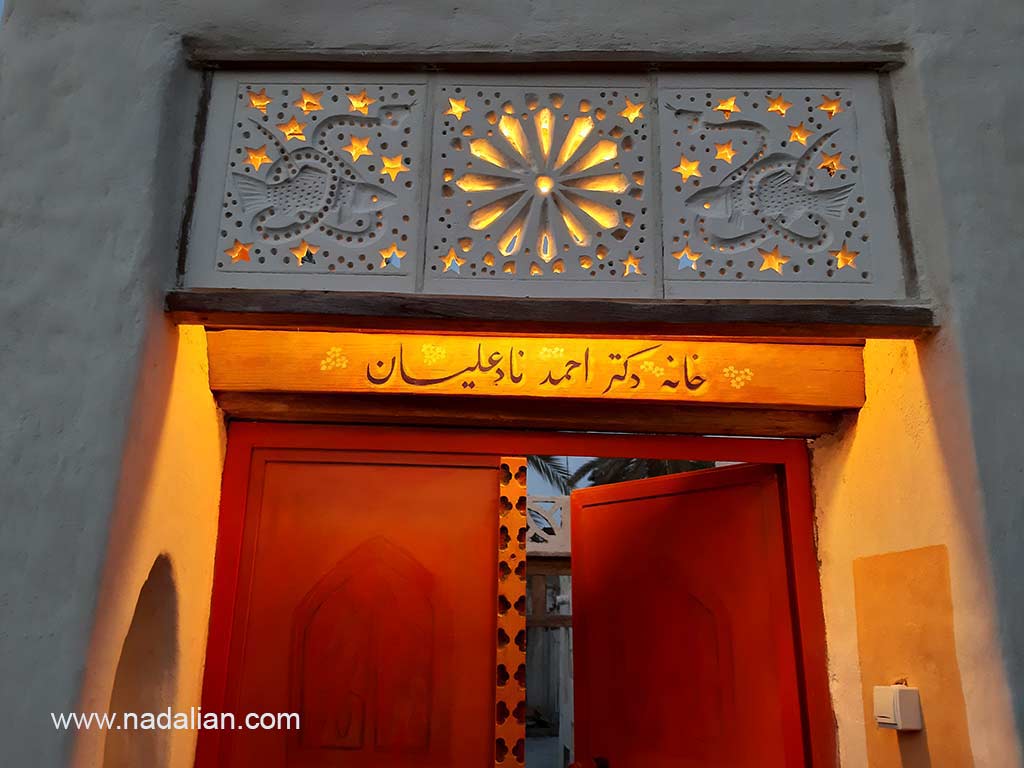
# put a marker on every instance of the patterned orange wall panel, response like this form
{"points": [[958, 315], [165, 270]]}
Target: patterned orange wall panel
{"points": [[510, 694]]}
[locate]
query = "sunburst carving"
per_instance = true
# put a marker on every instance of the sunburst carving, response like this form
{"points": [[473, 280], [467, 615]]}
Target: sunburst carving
{"points": [[552, 183]]}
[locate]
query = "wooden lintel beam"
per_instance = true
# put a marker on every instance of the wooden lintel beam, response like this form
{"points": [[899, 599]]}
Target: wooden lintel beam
{"points": [[310, 310]]}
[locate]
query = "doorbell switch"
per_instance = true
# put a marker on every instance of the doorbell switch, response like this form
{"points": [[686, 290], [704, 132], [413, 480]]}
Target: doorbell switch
{"points": [[897, 707]]}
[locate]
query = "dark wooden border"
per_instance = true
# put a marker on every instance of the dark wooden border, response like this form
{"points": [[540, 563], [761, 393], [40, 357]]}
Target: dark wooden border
{"points": [[309, 310], [789, 455], [532, 413]]}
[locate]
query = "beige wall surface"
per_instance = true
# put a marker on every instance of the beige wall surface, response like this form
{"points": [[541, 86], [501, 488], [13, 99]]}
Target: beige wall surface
{"points": [[168, 503], [901, 475]]}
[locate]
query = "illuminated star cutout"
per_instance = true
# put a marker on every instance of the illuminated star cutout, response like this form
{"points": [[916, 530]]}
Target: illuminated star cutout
{"points": [[239, 251], [687, 167], [457, 108], [845, 258], [631, 262], [830, 106], [303, 251], [779, 105], [687, 255], [310, 102], [799, 133], [772, 260], [452, 261], [632, 111], [727, 107], [725, 152], [293, 129], [259, 100], [358, 147], [832, 163], [257, 157], [360, 102], [393, 166], [391, 255]]}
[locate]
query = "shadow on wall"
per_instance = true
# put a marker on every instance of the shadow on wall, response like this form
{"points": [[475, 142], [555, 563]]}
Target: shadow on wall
{"points": [[146, 673]]}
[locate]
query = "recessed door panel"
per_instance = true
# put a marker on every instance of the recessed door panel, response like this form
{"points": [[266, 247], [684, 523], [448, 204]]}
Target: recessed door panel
{"points": [[366, 603], [684, 650]]}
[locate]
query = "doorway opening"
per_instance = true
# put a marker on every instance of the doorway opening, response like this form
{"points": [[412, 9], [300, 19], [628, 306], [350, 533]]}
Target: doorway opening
{"points": [[670, 602]]}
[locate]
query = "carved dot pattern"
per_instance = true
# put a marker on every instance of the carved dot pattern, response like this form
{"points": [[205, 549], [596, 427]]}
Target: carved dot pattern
{"points": [[510, 690]]}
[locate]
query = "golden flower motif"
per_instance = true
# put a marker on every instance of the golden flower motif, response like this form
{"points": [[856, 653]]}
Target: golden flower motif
{"points": [[334, 359], [432, 353], [738, 377], [552, 353], [648, 366]]}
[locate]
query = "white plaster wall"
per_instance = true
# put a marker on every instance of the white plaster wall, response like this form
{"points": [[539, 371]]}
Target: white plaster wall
{"points": [[96, 111], [168, 503], [900, 476]]}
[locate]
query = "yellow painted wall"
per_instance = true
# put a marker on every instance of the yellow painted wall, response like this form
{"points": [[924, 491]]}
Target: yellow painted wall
{"points": [[901, 476], [168, 502]]}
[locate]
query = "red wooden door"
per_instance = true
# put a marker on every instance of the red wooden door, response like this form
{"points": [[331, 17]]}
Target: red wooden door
{"points": [[365, 602], [684, 652]]}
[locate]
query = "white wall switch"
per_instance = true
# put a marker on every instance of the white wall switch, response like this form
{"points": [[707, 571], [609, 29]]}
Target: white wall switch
{"points": [[898, 707]]}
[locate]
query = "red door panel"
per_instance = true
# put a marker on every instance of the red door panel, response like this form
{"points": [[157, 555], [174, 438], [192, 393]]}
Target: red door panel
{"points": [[366, 603], [683, 629]]}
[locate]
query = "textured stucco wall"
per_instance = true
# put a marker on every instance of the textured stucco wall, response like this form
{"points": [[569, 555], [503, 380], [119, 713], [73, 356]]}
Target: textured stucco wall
{"points": [[898, 477], [96, 111], [167, 504]]}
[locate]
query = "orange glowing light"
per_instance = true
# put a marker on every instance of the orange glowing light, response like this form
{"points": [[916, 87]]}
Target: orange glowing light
{"points": [[535, 269], [577, 231], [303, 251], [479, 182], [611, 182], [487, 152], [687, 168], [725, 152], [511, 239], [393, 166], [259, 100], [558, 267], [544, 185], [293, 129], [631, 265], [257, 157], [844, 257], [310, 102], [727, 107], [832, 163], [543, 122], [772, 260], [452, 261], [485, 216], [779, 105], [578, 132], [360, 102], [586, 262], [632, 111], [605, 216], [391, 255], [457, 108], [831, 107], [601, 152], [358, 147], [692, 256], [799, 133], [513, 132], [546, 245], [239, 251]]}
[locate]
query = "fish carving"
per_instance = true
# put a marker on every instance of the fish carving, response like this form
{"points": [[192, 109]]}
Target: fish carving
{"points": [[314, 187], [776, 190]]}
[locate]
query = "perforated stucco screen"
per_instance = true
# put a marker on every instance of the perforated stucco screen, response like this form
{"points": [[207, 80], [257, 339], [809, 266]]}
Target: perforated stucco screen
{"points": [[713, 186]]}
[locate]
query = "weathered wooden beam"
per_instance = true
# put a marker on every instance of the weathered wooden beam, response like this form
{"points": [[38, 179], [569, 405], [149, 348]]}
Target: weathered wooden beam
{"points": [[508, 413], [227, 308]]}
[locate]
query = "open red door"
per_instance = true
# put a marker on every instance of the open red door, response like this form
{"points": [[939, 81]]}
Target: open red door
{"points": [[684, 652]]}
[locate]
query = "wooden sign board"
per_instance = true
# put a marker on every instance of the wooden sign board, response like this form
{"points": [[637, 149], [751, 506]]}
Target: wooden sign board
{"points": [[801, 376]]}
